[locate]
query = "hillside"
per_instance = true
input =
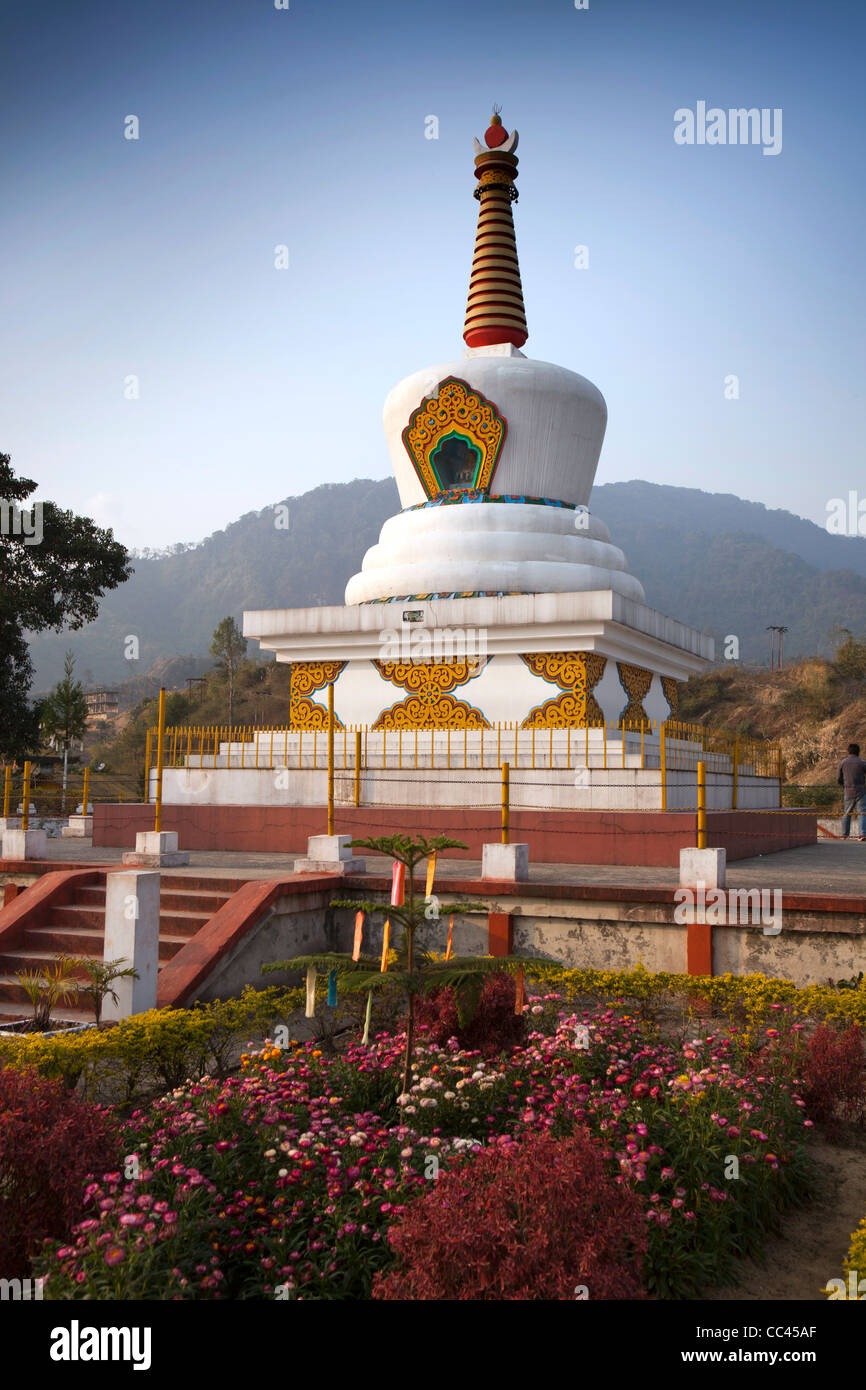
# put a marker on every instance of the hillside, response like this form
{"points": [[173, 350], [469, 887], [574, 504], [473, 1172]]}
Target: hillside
{"points": [[712, 560], [814, 708]]}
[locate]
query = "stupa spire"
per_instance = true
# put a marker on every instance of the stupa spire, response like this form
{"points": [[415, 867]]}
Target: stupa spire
{"points": [[494, 310]]}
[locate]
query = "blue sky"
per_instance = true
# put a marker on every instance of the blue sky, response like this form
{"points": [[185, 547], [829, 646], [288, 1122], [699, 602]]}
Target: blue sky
{"points": [[305, 127]]}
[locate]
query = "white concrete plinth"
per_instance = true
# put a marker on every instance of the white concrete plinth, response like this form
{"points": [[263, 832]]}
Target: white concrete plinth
{"points": [[156, 849], [25, 844], [9, 823], [509, 862], [706, 866], [132, 935], [330, 854], [79, 828]]}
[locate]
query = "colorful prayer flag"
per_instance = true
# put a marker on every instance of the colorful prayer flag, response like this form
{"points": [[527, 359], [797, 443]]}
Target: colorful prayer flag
{"points": [[386, 942], [398, 882], [518, 993]]}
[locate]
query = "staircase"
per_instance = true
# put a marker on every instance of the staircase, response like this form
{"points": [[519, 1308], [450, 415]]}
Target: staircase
{"points": [[186, 903]]}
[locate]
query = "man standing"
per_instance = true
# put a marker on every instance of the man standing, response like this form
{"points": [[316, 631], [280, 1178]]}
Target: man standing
{"points": [[852, 778]]}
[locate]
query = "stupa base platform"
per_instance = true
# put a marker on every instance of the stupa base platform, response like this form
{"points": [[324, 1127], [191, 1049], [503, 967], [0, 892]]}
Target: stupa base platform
{"points": [[539, 660], [652, 838]]}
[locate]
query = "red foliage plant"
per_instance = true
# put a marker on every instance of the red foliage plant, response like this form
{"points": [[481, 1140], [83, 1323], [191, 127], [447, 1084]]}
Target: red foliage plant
{"points": [[834, 1077], [495, 1027], [50, 1143], [530, 1220]]}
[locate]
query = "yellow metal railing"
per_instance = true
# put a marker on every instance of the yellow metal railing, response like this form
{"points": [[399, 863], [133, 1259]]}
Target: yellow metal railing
{"points": [[671, 747]]}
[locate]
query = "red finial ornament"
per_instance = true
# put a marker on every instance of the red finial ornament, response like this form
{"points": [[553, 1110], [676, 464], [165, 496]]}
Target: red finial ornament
{"points": [[495, 134]]}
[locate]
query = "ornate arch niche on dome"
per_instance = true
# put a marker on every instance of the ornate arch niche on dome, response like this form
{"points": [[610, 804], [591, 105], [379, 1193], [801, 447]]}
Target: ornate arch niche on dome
{"points": [[454, 439]]}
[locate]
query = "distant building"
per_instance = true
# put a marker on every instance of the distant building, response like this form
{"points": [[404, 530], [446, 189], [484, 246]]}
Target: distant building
{"points": [[101, 704]]}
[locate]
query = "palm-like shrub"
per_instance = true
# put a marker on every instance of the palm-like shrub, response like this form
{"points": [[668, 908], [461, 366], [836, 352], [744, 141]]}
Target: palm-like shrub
{"points": [[415, 969]]}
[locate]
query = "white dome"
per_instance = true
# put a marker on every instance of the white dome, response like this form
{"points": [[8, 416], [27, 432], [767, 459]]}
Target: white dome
{"points": [[491, 547], [496, 539], [556, 422]]}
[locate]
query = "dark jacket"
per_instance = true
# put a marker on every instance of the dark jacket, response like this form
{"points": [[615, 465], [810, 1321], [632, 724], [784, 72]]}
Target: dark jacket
{"points": [[852, 775]]}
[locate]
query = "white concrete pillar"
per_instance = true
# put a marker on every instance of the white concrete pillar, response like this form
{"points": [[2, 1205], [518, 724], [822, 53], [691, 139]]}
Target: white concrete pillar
{"points": [[79, 828], [706, 866], [330, 854], [156, 849], [132, 935], [25, 844], [507, 862]]}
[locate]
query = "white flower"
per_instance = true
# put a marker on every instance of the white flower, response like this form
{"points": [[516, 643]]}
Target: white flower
{"points": [[450, 1095], [357, 1139]]}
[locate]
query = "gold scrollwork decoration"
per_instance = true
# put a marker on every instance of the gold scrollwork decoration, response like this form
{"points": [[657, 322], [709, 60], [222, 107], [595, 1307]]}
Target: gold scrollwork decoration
{"points": [[455, 409], [308, 677], [671, 688], [635, 681], [577, 674], [442, 713]]}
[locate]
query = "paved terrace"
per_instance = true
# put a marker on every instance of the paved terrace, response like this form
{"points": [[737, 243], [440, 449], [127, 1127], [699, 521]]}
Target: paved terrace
{"points": [[827, 867]]}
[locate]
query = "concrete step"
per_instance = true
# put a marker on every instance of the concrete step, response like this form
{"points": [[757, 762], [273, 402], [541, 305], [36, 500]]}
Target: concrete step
{"points": [[90, 895], [196, 900], [76, 915]]}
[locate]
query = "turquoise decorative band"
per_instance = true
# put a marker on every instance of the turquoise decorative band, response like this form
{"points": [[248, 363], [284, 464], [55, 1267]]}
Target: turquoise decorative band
{"points": [[462, 499]]}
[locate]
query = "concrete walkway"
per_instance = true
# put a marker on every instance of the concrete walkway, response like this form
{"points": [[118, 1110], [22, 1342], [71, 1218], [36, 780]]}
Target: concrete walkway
{"points": [[829, 866]]}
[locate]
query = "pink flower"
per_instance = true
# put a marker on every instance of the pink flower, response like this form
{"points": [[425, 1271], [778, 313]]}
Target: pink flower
{"points": [[114, 1255]]}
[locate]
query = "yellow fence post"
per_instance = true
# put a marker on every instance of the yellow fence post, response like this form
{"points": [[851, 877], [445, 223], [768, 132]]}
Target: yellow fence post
{"points": [[85, 793], [505, 802], [160, 750], [702, 805], [25, 803], [357, 767], [663, 765], [148, 757], [7, 789], [331, 758]]}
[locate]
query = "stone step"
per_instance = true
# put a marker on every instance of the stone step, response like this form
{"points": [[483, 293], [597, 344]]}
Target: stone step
{"points": [[196, 900], [51, 942]]}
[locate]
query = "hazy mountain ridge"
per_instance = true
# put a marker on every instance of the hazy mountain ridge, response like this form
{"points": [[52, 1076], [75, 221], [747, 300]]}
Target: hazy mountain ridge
{"points": [[710, 559]]}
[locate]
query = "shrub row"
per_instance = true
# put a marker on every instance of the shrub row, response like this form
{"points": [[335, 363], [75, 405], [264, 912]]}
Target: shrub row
{"points": [[165, 1047]]}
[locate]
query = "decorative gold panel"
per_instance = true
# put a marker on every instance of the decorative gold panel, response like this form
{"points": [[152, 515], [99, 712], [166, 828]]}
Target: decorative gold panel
{"points": [[577, 674], [635, 681], [307, 677], [671, 687], [456, 409], [430, 705], [443, 712]]}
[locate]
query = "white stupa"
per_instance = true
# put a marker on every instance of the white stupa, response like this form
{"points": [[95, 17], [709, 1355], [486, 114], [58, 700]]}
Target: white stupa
{"points": [[493, 596]]}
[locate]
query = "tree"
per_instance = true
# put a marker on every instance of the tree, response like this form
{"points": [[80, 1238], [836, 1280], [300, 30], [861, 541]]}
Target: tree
{"points": [[19, 719], [229, 646], [64, 715], [416, 970], [54, 568], [850, 657]]}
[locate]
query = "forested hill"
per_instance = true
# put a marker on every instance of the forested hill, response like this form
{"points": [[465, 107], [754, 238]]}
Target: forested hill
{"points": [[709, 559]]}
